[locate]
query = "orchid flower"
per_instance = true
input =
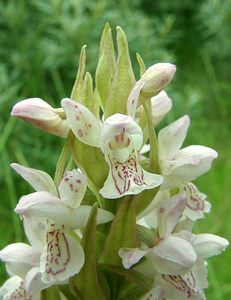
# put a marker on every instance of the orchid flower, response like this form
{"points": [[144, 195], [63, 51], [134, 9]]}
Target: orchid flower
{"points": [[191, 285], [40, 114], [22, 261], [120, 139], [181, 165], [13, 288], [62, 255], [172, 254]]}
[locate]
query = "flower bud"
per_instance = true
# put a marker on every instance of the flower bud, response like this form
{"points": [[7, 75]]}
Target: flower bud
{"points": [[156, 78], [161, 105], [42, 115]]}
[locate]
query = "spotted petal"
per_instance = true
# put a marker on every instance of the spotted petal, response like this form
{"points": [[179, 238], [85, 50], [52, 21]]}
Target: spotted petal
{"points": [[39, 180], [134, 97], [118, 131], [62, 256], [83, 123], [126, 178], [33, 281], [72, 188], [196, 204], [13, 288]]}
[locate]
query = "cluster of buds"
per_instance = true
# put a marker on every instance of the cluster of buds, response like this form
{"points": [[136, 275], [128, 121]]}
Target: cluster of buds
{"points": [[113, 170]]}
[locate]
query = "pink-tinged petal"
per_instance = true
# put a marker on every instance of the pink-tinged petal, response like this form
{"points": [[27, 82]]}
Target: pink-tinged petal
{"points": [[39, 180], [131, 256], [196, 204], [13, 288], [171, 138], [42, 115], [119, 131], [82, 122], [33, 281], [174, 256], [72, 188], [42, 205], [133, 98], [156, 293], [191, 162], [127, 178], [62, 256], [207, 245], [169, 213], [35, 230], [180, 287], [161, 104], [19, 258], [156, 78]]}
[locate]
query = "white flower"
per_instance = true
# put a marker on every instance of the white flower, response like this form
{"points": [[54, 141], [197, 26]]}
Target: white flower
{"points": [[13, 288], [181, 165], [42, 115], [172, 254], [62, 255], [22, 260], [120, 139]]}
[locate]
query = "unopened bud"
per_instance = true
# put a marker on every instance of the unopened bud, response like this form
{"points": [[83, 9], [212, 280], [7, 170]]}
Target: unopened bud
{"points": [[42, 115], [156, 78], [161, 105]]}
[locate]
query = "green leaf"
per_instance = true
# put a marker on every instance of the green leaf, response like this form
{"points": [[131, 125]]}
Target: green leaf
{"points": [[144, 199], [86, 282], [141, 64], [122, 233], [51, 293], [123, 80], [76, 93], [88, 98], [106, 65]]}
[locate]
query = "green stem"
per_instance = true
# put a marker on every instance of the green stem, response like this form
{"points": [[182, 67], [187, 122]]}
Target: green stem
{"points": [[153, 158]]}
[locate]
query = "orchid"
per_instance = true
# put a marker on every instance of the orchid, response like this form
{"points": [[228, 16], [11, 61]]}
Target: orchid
{"points": [[62, 255], [120, 139], [116, 221]]}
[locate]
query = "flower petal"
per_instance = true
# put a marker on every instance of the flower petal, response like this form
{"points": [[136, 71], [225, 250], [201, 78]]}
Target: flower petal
{"points": [[161, 104], [33, 281], [126, 178], [174, 256], [35, 230], [133, 98], [42, 115], [207, 245], [196, 205], [169, 212], [171, 138], [191, 162], [44, 205], [118, 131], [83, 123], [62, 256], [131, 256], [13, 288], [156, 293], [19, 258], [39, 180], [72, 188]]}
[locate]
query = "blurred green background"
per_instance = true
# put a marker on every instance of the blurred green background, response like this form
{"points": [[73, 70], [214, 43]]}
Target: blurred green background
{"points": [[40, 42]]}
